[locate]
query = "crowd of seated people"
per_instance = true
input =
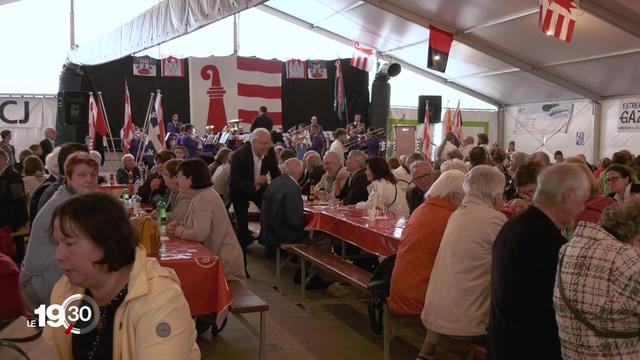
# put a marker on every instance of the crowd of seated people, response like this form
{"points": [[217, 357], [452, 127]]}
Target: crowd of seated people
{"points": [[501, 248]]}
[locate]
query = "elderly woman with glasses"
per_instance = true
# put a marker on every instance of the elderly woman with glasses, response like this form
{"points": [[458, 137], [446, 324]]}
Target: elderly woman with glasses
{"points": [[596, 301], [621, 181]]}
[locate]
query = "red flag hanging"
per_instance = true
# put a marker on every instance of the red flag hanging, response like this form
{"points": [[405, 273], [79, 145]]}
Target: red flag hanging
{"points": [[101, 124], [426, 137], [439, 48], [127, 129], [557, 18], [448, 125]]}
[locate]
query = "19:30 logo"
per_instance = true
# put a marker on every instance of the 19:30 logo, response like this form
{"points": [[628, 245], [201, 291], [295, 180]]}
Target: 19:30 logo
{"points": [[78, 314]]}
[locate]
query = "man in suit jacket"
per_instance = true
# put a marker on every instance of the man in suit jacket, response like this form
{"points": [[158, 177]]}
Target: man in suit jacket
{"points": [[355, 189], [48, 143], [281, 216], [262, 120], [249, 167], [523, 268]]}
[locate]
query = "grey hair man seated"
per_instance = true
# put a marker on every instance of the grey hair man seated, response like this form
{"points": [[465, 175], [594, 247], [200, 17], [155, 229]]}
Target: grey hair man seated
{"points": [[422, 178], [523, 272], [281, 216]]}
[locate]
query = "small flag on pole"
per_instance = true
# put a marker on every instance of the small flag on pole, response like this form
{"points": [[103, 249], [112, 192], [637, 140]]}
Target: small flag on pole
{"points": [[557, 18], [457, 123], [339, 97], [127, 129], [448, 125], [426, 137], [93, 114], [156, 123]]}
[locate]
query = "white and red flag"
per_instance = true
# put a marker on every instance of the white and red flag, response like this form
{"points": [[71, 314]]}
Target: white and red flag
{"points": [[363, 57], [557, 18], [426, 137], [296, 69], [127, 128], [224, 88], [172, 67], [457, 123]]}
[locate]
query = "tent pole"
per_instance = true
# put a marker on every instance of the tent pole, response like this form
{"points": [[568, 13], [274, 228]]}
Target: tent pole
{"points": [[109, 133], [72, 26], [597, 126]]}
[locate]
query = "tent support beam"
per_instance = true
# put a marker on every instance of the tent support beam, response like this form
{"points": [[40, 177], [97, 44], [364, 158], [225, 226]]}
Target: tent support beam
{"points": [[349, 42], [477, 43], [597, 122], [612, 13], [501, 128]]}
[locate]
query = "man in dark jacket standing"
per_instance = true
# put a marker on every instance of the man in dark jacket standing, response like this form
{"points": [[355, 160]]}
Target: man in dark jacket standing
{"points": [[522, 323], [248, 180], [262, 120], [282, 215], [47, 144], [13, 212]]}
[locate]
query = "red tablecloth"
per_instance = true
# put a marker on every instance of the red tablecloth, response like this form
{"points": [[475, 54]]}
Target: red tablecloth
{"points": [[116, 189], [201, 276], [379, 236]]}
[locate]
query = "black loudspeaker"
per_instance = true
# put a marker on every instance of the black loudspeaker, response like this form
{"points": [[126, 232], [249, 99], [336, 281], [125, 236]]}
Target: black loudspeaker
{"points": [[72, 117], [435, 108], [73, 107]]}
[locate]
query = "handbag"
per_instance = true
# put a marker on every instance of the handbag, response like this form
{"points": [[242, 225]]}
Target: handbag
{"points": [[378, 288]]}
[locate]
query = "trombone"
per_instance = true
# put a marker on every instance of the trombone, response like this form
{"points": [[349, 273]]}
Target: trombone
{"points": [[366, 136]]}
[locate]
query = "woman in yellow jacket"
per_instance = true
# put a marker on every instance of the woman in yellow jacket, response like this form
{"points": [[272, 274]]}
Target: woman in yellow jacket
{"points": [[142, 311]]}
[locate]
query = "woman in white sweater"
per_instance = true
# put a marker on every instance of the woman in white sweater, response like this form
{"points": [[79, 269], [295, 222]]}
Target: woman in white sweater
{"points": [[207, 220], [384, 191]]}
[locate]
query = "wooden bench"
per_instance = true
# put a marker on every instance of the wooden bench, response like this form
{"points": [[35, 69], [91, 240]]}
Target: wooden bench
{"points": [[359, 279], [244, 302], [326, 262]]}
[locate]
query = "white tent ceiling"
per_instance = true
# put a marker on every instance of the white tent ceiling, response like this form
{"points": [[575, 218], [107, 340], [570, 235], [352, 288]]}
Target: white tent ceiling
{"points": [[498, 52]]}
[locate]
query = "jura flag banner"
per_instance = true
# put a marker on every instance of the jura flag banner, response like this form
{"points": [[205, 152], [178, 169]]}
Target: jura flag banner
{"points": [[224, 88], [296, 69], [557, 18], [363, 57], [339, 97], [144, 66], [439, 47]]}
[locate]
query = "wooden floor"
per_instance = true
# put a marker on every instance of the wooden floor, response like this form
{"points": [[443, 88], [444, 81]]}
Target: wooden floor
{"points": [[329, 327]]}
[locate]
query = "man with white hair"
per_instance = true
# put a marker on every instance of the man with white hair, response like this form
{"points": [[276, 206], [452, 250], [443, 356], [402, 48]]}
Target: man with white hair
{"points": [[248, 180], [354, 189], [457, 301], [335, 177], [525, 257], [422, 175], [129, 172], [282, 216]]}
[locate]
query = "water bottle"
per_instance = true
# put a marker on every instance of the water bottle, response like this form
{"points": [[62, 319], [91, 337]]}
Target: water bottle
{"points": [[136, 186], [136, 200], [162, 218], [162, 225]]}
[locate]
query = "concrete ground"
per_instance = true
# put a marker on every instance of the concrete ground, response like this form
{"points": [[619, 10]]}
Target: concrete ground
{"points": [[328, 327]]}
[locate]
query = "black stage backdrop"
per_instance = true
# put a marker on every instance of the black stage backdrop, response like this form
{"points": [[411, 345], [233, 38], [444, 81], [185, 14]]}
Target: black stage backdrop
{"points": [[109, 79], [302, 99]]}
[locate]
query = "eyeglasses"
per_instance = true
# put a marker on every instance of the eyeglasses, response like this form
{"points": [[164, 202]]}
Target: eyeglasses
{"points": [[613, 179], [525, 195]]}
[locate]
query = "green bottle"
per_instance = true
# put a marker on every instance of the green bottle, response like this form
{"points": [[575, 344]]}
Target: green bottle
{"points": [[125, 194], [162, 217]]}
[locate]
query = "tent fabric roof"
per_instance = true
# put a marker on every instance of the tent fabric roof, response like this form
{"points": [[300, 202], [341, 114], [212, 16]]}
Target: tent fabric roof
{"points": [[498, 51]]}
